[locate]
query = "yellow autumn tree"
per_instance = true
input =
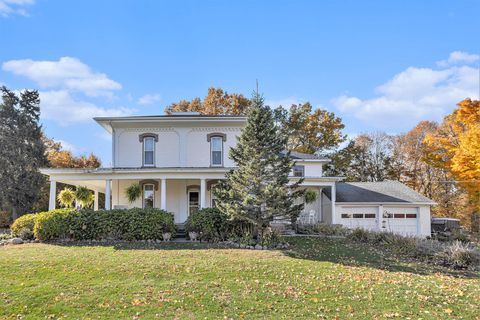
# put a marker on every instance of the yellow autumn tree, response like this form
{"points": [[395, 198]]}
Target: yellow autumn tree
{"points": [[455, 146], [216, 102]]}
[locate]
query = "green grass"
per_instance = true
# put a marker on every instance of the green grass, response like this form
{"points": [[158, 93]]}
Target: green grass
{"points": [[317, 278]]}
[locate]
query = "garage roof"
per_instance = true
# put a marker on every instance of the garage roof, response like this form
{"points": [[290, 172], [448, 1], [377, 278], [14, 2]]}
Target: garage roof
{"points": [[380, 192]]}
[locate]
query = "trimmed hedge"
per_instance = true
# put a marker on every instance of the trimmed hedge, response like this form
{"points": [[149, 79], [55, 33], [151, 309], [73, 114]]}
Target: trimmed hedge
{"points": [[27, 221], [53, 224], [86, 224], [209, 223]]}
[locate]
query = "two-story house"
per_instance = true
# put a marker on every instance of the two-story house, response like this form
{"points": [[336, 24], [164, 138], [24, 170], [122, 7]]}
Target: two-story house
{"points": [[177, 158]]}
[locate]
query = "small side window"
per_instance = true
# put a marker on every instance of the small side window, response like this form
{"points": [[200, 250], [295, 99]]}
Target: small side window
{"points": [[298, 171]]}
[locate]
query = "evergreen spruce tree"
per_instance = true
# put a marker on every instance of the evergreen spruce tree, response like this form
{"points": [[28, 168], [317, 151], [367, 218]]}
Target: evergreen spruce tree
{"points": [[22, 151], [258, 190]]}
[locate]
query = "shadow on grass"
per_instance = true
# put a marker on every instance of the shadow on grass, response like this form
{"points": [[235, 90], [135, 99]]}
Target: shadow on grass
{"points": [[334, 250]]}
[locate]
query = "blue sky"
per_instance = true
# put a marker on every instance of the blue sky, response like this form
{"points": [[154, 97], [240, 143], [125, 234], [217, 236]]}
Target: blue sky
{"points": [[380, 65]]}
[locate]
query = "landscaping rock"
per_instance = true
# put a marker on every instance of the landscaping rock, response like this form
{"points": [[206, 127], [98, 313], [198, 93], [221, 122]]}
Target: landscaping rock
{"points": [[15, 241], [258, 247]]}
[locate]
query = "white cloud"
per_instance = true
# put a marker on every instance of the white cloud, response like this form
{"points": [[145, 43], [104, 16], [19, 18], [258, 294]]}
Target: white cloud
{"points": [[66, 73], [459, 57], [149, 99], [412, 95], [13, 7], [61, 107]]}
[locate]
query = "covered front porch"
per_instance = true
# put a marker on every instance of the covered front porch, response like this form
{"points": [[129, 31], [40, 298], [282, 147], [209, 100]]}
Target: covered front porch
{"points": [[181, 191]]}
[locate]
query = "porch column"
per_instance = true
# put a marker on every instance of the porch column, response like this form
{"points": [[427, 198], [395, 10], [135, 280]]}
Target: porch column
{"points": [[334, 200], [203, 188], [107, 194], [53, 193], [163, 194], [95, 201]]}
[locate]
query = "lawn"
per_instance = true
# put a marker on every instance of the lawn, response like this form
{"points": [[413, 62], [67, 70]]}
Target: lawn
{"points": [[316, 278]]}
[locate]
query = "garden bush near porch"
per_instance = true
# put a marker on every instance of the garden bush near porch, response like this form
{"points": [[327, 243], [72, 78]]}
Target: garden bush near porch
{"points": [[86, 224]]}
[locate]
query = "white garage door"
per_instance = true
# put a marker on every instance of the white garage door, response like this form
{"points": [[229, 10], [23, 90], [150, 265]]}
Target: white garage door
{"points": [[359, 217], [400, 220]]}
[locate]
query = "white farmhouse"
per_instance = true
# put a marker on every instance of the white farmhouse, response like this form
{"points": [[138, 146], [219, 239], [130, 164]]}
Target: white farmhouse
{"points": [[177, 158]]}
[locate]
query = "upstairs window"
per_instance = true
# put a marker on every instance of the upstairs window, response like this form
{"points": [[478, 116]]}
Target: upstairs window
{"points": [[148, 151], [148, 141], [216, 148], [298, 171]]}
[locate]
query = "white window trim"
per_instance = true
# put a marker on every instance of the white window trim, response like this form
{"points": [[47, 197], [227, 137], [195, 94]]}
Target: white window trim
{"points": [[143, 153], [211, 151], [143, 194]]}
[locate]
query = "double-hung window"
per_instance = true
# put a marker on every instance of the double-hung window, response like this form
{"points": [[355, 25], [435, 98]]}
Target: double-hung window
{"points": [[216, 150], [148, 151]]}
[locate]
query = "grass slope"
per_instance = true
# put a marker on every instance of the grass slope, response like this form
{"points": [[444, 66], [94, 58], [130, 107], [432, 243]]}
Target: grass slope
{"points": [[317, 278]]}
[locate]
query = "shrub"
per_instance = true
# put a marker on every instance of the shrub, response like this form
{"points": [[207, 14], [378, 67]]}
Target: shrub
{"points": [[399, 244], [270, 238], [27, 221], [209, 223], [361, 235], [429, 248], [322, 229], [461, 235], [53, 224], [5, 219], [26, 234], [5, 236], [461, 255], [87, 224]]}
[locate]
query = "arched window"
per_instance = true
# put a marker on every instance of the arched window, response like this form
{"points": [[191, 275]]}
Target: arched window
{"points": [[148, 148], [216, 148]]}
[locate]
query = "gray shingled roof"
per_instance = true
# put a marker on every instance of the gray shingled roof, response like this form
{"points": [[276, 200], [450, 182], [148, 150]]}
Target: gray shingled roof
{"points": [[385, 191], [304, 156]]}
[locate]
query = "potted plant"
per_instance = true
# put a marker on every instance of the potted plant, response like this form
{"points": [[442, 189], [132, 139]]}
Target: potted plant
{"points": [[66, 197], [84, 196], [133, 192]]}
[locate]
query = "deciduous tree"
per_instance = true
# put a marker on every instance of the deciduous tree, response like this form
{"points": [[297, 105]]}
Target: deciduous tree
{"points": [[310, 131], [455, 146], [217, 102]]}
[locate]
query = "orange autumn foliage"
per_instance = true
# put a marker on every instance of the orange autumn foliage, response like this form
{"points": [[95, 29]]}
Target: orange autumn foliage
{"points": [[455, 146]]}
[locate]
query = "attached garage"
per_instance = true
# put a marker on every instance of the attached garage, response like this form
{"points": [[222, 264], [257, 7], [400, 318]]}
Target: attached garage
{"points": [[388, 206]]}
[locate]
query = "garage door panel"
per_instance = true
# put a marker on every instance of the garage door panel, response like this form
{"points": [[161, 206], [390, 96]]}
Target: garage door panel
{"points": [[400, 220], [360, 217]]}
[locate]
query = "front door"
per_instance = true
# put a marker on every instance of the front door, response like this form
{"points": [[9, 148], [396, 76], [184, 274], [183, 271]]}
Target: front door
{"points": [[193, 202]]}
